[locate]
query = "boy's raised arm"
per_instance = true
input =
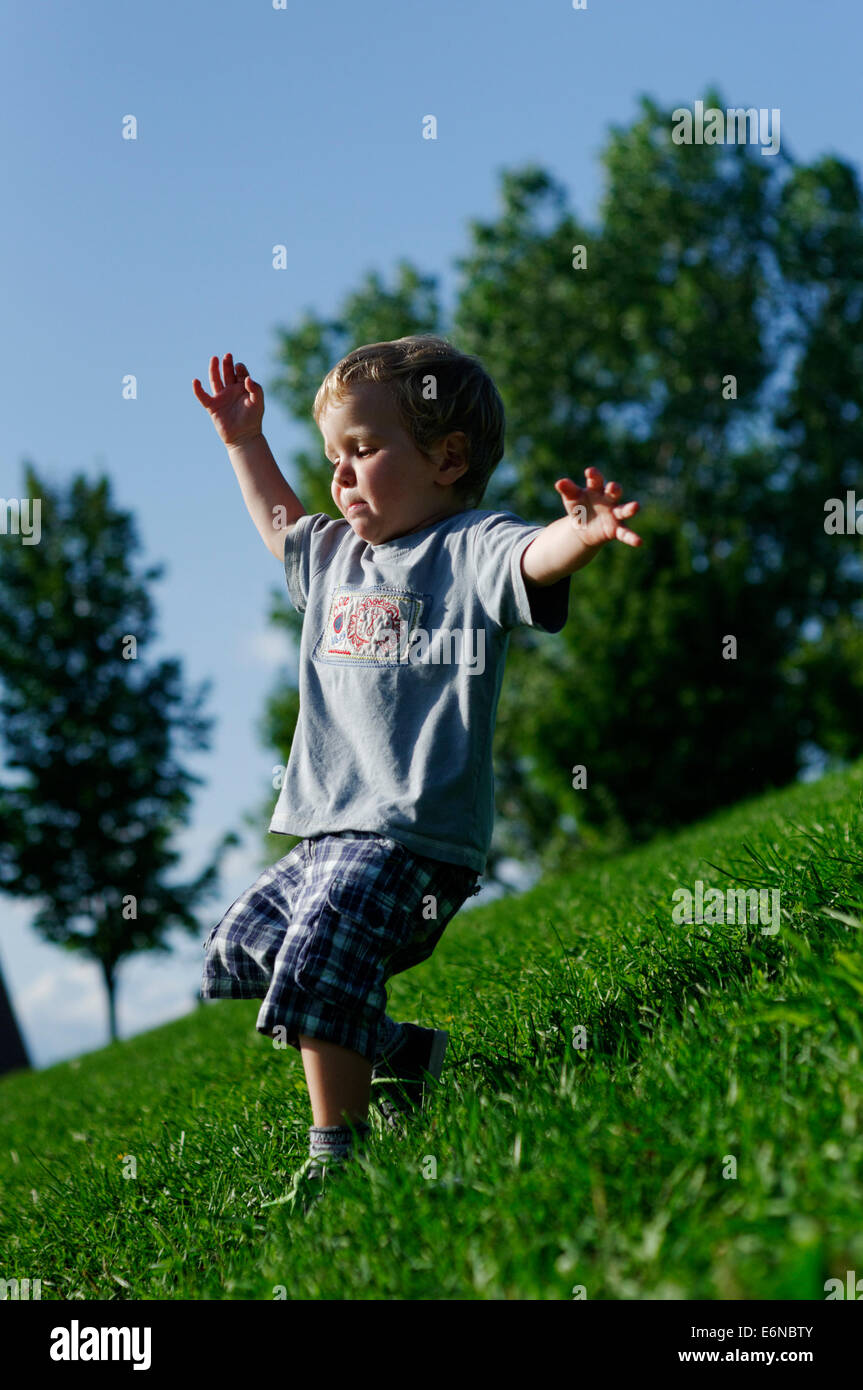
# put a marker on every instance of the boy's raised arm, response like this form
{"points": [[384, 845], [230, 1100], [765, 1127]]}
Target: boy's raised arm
{"points": [[594, 517], [237, 410], [272, 503]]}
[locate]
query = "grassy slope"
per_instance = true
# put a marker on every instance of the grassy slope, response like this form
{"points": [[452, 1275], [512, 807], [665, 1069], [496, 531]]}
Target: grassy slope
{"points": [[605, 1166]]}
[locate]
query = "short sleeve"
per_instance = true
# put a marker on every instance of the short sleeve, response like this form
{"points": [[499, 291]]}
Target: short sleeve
{"points": [[310, 545], [499, 542]]}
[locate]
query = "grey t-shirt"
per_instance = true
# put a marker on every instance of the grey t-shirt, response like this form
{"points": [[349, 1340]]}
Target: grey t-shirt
{"points": [[401, 662]]}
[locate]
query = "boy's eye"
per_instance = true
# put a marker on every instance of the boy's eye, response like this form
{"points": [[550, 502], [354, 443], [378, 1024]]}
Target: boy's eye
{"points": [[361, 453]]}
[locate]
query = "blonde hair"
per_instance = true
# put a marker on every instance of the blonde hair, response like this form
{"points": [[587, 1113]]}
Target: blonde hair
{"points": [[467, 399]]}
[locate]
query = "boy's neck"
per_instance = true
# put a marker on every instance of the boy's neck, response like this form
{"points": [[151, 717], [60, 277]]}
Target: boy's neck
{"points": [[430, 521]]}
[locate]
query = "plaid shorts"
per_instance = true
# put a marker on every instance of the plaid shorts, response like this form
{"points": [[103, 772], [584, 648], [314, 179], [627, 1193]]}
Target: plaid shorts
{"points": [[321, 931]]}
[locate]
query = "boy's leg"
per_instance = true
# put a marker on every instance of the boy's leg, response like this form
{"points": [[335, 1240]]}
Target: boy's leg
{"points": [[392, 1036], [405, 1050], [339, 1082], [362, 890]]}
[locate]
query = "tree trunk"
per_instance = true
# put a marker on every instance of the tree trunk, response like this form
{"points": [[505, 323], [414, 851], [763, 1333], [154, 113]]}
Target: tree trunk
{"points": [[13, 1054], [111, 987]]}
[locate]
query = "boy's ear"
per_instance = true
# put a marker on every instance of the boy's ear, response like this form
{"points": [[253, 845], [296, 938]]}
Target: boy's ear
{"points": [[451, 457]]}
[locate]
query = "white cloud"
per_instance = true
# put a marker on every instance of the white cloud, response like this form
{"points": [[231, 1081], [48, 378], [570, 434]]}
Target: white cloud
{"points": [[72, 993], [268, 647]]}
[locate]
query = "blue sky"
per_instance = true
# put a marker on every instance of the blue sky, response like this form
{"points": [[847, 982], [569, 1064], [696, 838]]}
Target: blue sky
{"points": [[299, 126]]}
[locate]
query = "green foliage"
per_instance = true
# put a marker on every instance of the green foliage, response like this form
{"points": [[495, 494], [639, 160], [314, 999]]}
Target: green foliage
{"points": [[97, 790], [556, 1165]]}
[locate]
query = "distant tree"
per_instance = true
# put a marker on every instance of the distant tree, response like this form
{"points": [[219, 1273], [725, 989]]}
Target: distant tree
{"points": [[702, 344], [89, 724]]}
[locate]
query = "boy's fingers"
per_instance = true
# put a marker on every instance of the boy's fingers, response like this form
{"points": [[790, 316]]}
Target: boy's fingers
{"points": [[242, 374], [228, 369], [201, 393], [215, 380], [625, 509], [628, 537], [594, 478], [613, 489]]}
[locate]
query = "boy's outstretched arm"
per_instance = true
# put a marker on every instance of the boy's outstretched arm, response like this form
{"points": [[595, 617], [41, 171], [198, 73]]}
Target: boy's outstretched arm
{"points": [[594, 516], [237, 410]]}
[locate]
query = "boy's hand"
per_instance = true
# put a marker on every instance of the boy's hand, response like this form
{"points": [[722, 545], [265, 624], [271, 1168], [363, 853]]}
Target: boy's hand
{"points": [[595, 510], [237, 408], [594, 514]]}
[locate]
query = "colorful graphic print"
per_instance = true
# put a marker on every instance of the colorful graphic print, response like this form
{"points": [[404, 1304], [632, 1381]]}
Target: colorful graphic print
{"points": [[369, 626]]}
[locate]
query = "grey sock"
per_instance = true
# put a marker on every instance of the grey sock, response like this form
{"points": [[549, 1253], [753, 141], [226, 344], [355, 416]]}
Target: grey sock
{"points": [[334, 1141]]}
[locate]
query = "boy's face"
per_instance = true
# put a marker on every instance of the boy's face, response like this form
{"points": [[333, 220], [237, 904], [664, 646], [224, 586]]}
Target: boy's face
{"points": [[379, 467]]}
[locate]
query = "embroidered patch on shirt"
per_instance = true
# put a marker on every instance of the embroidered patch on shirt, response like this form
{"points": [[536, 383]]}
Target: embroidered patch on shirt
{"points": [[369, 626]]}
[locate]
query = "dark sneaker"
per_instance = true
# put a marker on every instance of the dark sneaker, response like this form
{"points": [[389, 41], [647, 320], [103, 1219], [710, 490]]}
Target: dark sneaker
{"points": [[399, 1083]]}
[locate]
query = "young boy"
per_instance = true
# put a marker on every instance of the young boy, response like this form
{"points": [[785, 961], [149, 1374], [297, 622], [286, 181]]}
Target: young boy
{"points": [[408, 601]]}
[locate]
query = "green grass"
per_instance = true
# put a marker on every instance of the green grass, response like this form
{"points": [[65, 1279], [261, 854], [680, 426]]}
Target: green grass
{"points": [[605, 1166]]}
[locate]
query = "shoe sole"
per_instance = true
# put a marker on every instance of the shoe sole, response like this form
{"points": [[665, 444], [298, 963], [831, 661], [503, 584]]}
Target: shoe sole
{"points": [[439, 1045]]}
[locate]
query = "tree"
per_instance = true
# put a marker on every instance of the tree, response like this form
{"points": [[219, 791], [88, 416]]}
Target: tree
{"points": [[709, 360], [91, 727], [706, 352]]}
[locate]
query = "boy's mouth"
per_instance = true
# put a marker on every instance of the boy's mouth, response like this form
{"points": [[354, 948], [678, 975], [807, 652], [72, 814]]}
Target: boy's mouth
{"points": [[352, 507]]}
